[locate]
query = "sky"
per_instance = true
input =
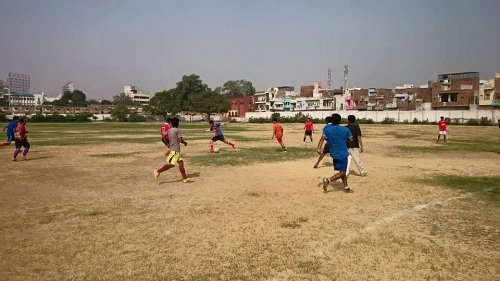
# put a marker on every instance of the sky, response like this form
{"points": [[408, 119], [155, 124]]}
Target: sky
{"points": [[102, 45]]}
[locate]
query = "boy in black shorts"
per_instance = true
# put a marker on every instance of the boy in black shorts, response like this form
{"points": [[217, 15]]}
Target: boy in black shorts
{"points": [[326, 148], [219, 136]]}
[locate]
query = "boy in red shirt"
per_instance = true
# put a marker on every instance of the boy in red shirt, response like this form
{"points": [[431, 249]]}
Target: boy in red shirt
{"points": [[442, 129], [308, 126], [278, 133], [164, 129], [21, 140]]}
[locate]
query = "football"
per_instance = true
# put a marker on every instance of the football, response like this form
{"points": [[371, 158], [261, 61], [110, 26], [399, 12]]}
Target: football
{"points": [[216, 150]]}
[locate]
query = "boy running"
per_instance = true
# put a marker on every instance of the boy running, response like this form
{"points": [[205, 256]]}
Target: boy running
{"points": [[278, 133], [326, 148], [337, 138], [442, 128], [219, 136], [21, 140], [173, 155], [11, 127], [356, 147], [309, 130]]}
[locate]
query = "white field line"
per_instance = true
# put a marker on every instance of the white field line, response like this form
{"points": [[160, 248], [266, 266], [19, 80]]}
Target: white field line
{"points": [[371, 227]]}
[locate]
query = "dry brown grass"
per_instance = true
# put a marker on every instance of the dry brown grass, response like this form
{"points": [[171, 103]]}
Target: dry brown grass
{"points": [[94, 212]]}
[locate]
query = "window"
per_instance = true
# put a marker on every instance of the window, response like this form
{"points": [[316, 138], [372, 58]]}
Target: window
{"points": [[453, 97]]}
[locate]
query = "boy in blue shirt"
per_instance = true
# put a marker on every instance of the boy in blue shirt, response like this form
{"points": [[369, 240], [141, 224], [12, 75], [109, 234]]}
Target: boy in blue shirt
{"points": [[11, 127], [337, 138]]}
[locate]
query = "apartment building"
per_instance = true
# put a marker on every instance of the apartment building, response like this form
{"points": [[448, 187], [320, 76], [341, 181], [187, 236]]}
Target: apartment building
{"points": [[239, 106], [455, 90], [409, 97], [136, 95], [489, 92]]}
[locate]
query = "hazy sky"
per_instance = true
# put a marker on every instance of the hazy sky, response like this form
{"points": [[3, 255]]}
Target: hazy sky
{"points": [[103, 45]]}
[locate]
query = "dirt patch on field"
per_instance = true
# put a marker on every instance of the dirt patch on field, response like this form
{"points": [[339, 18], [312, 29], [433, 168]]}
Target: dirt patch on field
{"points": [[95, 212]]}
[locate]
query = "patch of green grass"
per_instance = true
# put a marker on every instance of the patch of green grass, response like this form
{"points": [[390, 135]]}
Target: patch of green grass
{"points": [[489, 187], [454, 146], [90, 140], [113, 155], [248, 156]]}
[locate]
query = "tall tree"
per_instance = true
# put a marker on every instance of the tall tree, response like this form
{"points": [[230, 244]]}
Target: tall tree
{"points": [[208, 102], [189, 85], [238, 88], [122, 99], [164, 103], [77, 98]]}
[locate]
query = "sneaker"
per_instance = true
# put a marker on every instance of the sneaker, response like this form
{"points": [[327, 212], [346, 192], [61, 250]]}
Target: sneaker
{"points": [[363, 174], [14, 159], [156, 175], [348, 190], [187, 180], [326, 182], [24, 157]]}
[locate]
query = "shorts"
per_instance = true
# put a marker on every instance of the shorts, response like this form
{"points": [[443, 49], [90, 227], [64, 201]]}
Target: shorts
{"points": [[22, 143], [279, 139], [326, 149], [219, 138], [173, 157], [309, 133], [442, 133], [340, 164]]}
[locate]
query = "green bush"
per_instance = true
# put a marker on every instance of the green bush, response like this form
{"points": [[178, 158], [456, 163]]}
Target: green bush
{"points": [[388, 120], [134, 117], [57, 118], [3, 117]]}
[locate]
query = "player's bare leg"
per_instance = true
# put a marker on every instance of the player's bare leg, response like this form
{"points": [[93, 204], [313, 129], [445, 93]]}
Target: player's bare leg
{"points": [[230, 143], [319, 160], [185, 179]]}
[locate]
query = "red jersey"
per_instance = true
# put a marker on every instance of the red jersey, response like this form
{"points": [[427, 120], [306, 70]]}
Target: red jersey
{"points": [[442, 125], [308, 125], [278, 130], [164, 129], [20, 132]]}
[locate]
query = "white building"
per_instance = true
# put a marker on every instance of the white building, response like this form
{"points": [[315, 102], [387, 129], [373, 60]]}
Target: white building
{"points": [[68, 87], [136, 95]]}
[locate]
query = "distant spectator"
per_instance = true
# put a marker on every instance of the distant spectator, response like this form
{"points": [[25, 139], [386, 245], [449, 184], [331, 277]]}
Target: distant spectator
{"points": [[442, 129]]}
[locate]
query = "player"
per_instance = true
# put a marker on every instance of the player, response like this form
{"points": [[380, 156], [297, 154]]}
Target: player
{"points": [[326, 148], [356, 147], [11, 127], [219, 136], [21, 140], [278, 133], [309, 129], [164, 129], [442, 129], [337, 138], [174, 153]]}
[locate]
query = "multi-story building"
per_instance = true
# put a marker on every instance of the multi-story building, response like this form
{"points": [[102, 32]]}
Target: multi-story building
{"points": [[239, 106], [136, 95], [18, 83], [409, 97], [489, 92], [455, 90]]}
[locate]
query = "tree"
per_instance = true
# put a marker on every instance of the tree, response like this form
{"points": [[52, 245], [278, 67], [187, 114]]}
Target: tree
{"points": [[164, 103], [76, 98], [106, 102], [189, 85], [208, 102], [238, 88], [122, 99], [120, 113], [177, 99]]}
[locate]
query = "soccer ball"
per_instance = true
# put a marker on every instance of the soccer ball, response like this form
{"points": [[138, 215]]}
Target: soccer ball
{"points": [[216, 150]]}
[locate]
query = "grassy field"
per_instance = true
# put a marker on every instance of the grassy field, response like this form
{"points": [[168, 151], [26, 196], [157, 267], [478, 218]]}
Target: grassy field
{"points": [[86, 206]]}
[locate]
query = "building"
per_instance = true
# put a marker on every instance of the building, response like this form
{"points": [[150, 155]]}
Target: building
{"points": [[18, 83], [455, 90], [136, 95], [409, 97], [489, 92], [239, 106], [68, 87]]}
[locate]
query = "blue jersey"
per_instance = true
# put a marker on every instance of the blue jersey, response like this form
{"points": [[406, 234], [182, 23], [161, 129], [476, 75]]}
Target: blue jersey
{"points": [[11, 127], [218, 130], [336, 137]]}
